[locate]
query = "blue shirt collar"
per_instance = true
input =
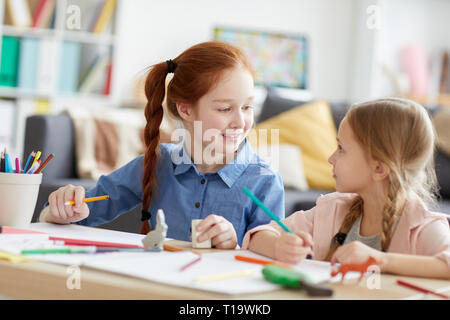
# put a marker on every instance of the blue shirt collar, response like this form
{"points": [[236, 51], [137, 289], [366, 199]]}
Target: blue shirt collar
{"points": [[228, 173]]}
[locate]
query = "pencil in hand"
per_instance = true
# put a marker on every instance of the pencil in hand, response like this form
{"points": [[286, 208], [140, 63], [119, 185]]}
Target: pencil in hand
{"points": [[72, 202]]}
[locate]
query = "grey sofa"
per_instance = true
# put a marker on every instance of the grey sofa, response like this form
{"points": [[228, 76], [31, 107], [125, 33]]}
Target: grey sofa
{"points": [[55, 133]]}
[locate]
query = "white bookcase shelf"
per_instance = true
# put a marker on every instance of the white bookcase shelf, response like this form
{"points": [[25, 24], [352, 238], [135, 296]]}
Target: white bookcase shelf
{"points": [[90, 48]]}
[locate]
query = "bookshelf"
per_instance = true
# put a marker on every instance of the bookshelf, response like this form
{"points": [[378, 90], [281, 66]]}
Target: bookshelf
{"points": [[54, 55]]}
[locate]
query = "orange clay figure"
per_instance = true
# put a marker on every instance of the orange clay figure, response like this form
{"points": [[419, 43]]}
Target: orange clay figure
{"points": [[357, 267]]}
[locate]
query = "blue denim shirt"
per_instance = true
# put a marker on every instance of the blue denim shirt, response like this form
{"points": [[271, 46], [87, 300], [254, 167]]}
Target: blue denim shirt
{"points": [[185, 194]]}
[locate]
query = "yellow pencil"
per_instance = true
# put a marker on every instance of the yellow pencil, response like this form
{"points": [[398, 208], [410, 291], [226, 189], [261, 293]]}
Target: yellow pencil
{"points": [[224, 276], [38, 155], [72, 202]]}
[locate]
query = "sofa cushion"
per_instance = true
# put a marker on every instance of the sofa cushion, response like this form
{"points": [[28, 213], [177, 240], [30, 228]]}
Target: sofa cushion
{"points": [[311, 128], [275, 103], [106, 139], [287, 160]]}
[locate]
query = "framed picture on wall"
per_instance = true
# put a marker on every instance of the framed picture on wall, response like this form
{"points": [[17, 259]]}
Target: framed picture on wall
{"points": [[279, 60]]}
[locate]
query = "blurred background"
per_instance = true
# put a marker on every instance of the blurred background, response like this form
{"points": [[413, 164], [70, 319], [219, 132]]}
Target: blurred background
{"points": [[85, 60]]}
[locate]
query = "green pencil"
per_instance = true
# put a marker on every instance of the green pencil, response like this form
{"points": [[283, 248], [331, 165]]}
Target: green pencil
{"points": [[265, 209], [87, 249], [60, 250]]}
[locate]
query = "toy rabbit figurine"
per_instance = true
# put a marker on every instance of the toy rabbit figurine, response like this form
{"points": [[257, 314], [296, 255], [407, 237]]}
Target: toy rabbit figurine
{"points": [[156, 237]]}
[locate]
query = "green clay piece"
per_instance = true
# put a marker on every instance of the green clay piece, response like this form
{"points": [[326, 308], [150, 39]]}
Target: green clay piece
{"points": [[284, 276]]}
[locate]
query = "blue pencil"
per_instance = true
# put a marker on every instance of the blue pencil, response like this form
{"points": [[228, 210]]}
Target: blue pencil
{"points": [[265, 209], [28, 162], [8, 164]]}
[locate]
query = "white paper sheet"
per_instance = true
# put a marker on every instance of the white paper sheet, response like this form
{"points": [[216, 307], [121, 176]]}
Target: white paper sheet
{"points": [[164, 267], [318, 271]]}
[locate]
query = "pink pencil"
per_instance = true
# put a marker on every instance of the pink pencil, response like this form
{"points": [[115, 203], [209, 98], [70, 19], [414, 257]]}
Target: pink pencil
{"points": [[17, 165], [190, 263]]}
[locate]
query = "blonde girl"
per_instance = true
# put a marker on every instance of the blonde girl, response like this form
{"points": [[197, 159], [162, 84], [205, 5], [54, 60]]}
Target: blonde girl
{"points": [[385, 183]]}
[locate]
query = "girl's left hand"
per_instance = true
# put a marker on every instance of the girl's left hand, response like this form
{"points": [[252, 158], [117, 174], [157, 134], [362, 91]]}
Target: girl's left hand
{"points": [[355, 252], [219, 230]]}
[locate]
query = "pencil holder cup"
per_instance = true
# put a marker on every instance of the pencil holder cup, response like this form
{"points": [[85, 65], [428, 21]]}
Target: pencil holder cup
{"points": [[18, 196]]}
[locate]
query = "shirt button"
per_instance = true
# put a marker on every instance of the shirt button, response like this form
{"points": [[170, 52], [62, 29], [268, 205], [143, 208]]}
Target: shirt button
{"points": [[202, 181], [197, 204]]}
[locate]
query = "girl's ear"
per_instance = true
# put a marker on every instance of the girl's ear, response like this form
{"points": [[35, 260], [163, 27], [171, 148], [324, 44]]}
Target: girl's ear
{"points": [[185, 111], [381, 171]]}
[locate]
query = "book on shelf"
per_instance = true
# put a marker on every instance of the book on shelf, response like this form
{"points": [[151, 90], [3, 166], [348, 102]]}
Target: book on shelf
{"points": [[444, 85], [9, 61], [95, 15], [69, 66], [42, 16], [105, 16], [93, 75], [47, 68], [28, 63], [19, 13], [107, 88]]}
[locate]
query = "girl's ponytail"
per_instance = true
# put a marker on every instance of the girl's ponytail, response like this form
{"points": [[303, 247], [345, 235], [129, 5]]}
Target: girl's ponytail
{"points": [[195, 72], [154, 91]]}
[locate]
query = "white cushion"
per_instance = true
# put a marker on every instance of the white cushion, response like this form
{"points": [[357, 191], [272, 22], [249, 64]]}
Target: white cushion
{"points": [[287, 160]]}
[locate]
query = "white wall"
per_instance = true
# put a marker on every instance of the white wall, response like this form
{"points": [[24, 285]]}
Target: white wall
{"points": [[157, 30], [403, 22]]}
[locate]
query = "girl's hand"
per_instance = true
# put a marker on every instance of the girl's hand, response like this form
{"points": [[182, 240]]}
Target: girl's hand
{"points": [[292, 248], [60, 213], [219, 230], [356, 252]]}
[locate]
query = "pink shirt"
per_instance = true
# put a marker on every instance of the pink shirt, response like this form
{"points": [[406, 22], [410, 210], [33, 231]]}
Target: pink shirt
{"points": [[419, 231]]}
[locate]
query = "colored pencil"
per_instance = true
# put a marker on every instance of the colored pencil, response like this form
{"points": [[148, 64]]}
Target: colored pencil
{"points": [[36, 158], [17, 165], [265, 209], [261, 261], [190, 263], [30, 159], [168, 247], [86, 249], [2, 164], [44, 164], [34, 167], [82, 242], [224, 276], [8, 164], [72, 202], [412, 286]]}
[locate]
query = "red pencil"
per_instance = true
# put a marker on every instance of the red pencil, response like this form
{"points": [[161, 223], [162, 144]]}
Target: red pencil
{"points": [[412, 286], [80, 242], [260, 261], [44, 164]]}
